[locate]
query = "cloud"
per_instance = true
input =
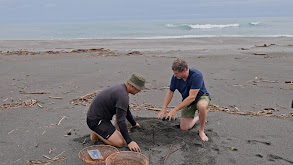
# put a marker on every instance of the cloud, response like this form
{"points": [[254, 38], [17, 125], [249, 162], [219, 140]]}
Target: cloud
{"points": [[50, 5]]}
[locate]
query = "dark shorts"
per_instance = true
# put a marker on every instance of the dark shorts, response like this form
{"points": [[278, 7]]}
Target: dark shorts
{"points": [[103, 128], [190, 111]]}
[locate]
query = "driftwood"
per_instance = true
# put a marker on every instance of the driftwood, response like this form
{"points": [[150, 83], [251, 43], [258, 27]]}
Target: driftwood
{"points": [[267, 112], [264, 45], [23, 92], [84, 100], [25, 52], [134, 53], [260, 54], [26, 103], [253, 85], [289, 82], [54, 159], [54, 97], [56, 124]]}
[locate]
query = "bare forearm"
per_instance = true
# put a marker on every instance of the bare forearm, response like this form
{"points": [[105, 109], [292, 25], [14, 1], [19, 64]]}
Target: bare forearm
{"points": [[168, 99], [187, 101]]}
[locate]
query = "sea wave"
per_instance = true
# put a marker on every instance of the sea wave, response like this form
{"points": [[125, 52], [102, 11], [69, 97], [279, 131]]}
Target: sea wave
{"points": [[201, 26], [206, 36], [254, 23], [212, 26]]}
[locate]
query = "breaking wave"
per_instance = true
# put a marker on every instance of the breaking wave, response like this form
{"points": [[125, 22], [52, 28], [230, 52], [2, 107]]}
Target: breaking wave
{"points": [[203, 26], [254, 23]]}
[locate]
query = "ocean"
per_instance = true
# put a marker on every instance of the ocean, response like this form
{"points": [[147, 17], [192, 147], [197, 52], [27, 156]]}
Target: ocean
{"points": [[150, 29]]}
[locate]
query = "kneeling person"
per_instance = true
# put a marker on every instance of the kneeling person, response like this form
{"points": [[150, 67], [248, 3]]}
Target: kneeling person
{"points": [[111, 101]]}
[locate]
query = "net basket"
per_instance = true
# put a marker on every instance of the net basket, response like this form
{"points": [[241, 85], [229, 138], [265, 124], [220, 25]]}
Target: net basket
{"points": [[127, 158], [105, 151]]}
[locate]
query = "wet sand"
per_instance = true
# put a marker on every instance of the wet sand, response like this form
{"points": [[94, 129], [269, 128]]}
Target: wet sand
{"points": [[246, 77]]}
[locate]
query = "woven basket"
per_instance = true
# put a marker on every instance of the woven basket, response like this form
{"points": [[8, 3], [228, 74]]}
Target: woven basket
{"points": [[127, 158], [105, 151]]}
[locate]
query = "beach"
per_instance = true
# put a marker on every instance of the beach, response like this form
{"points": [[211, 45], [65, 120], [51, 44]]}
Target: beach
{"points": [[249, 80]]}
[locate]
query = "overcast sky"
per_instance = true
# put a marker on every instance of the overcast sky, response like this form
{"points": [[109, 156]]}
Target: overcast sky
{"points": [[16, 11]]}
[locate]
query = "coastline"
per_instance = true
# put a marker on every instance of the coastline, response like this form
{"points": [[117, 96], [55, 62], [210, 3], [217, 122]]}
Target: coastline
{"points": [[234, 74]]}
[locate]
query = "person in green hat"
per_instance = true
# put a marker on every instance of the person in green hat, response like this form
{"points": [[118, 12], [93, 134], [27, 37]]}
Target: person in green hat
{"points": [[114, 101]]}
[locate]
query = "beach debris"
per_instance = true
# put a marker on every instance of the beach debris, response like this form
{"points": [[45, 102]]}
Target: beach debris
{"points": [[259, 155], [68, 133], [84, 141], [150, 156], [166, 157], [267, 112], [234, 149], [61, 120], [240, 58], [12, 131], [56, 124], [26, 103], [135, 106], [49, 159], [267, 56], [256, 85], [19, 52], [257, 141], [134, 53], [111, 55], [16, 160], [289, 82], [40, 105], [260, 54], [154, 126], [51, 150], [281, 106], [54, 97], [84, 100], [40, 92], [243, 49], [101, 50], [170, 151], [264, 45], [25, 52]]}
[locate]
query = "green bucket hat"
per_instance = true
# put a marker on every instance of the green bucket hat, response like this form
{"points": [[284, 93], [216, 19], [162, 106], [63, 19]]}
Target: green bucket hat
{"points": [[137, 81]]}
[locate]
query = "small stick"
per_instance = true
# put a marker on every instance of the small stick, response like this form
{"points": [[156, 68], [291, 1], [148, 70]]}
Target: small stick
{"points": [[51, 150], [11, 131], [23, 92], [150, 155], [174, 150], [17, 160], [47, 157], [53, 97], [168, 153], [84, 141], [61, 120], [154, 109], [153, 126], [56, 157], [40, 105]]}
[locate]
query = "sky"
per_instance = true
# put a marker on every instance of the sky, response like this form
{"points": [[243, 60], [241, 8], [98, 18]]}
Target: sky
{"points": [[26, 11]]}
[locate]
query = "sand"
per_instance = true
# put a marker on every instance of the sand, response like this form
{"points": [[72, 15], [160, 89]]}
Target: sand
{"points": [[246, 78]]}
